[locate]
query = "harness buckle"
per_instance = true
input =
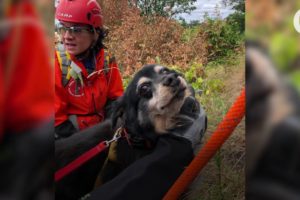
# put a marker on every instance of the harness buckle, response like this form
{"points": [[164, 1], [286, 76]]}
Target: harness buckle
{"points": [[117, 135]]}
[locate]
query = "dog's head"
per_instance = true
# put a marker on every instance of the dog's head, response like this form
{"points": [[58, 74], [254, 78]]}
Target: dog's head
{"points": [[153, 100]]}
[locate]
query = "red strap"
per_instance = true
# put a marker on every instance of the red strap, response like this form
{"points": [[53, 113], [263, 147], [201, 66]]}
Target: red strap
{"points": [[80, 160], [126, 135]]}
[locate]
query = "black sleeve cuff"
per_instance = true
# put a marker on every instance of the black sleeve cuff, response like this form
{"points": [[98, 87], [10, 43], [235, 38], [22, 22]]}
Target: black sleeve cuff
{"points": [[65, 129], [109, 107]]}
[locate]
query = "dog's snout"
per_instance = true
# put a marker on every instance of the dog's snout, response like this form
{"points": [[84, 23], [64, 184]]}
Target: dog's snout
{"points": [[171, 80]]}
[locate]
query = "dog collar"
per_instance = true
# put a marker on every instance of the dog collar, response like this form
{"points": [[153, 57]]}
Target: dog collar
{"points": [[134, 140]]}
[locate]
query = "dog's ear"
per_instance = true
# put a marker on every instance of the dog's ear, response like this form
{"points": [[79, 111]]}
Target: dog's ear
{"points": [[118, 109]]}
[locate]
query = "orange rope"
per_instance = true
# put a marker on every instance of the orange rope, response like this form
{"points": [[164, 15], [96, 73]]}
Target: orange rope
{"points": [[223, 131]]}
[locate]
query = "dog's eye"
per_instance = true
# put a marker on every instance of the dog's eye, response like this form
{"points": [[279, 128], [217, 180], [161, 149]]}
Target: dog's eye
{"points": [[164, 71], [145, 90]]}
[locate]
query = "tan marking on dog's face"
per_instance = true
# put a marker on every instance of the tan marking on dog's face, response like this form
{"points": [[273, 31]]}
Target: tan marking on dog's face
{"points": [[163, 95], [165, 121], [162, 123], [143, 80], [163, 107], [157, 68]]}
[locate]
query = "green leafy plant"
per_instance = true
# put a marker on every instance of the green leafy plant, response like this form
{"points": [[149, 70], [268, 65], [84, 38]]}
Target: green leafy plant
{"points": [[224, 36]]}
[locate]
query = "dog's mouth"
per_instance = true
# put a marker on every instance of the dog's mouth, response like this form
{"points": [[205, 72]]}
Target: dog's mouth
{"points": [[178, 95]]}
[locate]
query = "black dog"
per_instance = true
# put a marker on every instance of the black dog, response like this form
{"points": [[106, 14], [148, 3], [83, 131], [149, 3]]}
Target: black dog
{"points": [[158, 101]]}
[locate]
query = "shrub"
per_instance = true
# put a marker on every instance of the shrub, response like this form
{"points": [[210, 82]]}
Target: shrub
{"points": [[223, 37], [138, 41]]}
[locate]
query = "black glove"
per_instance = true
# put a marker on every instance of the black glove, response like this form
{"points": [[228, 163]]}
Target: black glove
{"points": [[108, 107]]}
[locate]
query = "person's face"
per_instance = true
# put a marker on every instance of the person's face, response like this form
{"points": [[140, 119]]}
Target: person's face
{"points": [[76, 37]]}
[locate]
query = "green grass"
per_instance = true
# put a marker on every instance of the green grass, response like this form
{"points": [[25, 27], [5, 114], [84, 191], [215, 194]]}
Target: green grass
{"points": [[223, 178]]}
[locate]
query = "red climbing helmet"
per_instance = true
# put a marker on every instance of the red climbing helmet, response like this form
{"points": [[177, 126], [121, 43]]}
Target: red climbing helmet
{"points": [[80, 11]]}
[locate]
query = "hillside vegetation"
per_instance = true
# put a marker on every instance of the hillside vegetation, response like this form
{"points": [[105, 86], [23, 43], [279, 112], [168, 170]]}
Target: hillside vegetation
{"points": [[210, 54]]}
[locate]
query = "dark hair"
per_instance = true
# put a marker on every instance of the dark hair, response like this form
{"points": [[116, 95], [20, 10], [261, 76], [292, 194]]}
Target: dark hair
{"points": [[99, 43]]}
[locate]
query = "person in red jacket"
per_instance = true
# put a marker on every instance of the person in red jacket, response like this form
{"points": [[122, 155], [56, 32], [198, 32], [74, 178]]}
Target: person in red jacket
{"points": [[26, 70], [87, 79], [26, 100]]}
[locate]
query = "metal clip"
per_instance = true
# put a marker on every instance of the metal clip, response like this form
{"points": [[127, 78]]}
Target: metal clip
{"points": [[115, 138]]}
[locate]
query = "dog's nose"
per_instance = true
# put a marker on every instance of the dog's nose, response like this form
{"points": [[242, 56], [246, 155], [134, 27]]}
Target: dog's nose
{"points": [[171, 80]]}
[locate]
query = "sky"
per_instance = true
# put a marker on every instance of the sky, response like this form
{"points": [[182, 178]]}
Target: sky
{"points": [[208, 6], [203, 6]]}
